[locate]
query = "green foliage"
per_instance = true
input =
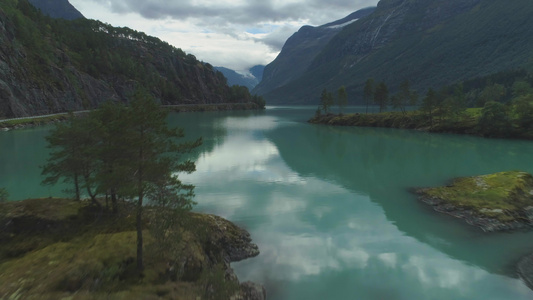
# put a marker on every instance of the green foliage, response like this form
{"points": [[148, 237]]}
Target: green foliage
{"points": [[3, 195], [494, 121], [118, 55], [428, 105], [123, 151], [523, 111], [501, 195], [492, 93], [259, 100], [521, 88], [326, 101], [342, 98], [405, 96], [368, 94], [381, 96]]}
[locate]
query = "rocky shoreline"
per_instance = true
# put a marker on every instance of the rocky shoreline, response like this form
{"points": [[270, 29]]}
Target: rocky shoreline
{"points": [[72, 250], [7, 126], [494, 202], [485, 223]]}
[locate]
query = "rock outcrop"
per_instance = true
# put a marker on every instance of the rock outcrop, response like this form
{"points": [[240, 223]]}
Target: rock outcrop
{"points": [[495, 202], [71, 248]]}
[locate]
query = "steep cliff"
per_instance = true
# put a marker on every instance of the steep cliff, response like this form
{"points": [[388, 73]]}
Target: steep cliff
{"points": [[429, 43], [300, 50], [54, 65]]}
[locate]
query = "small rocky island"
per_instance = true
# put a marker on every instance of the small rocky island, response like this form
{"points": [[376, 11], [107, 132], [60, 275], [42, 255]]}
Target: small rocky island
{"points": [[64, 249], [495, 202]]}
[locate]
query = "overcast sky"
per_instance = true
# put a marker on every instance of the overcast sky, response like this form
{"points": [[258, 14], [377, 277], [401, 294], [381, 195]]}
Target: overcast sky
{"points": [[236, 34]]}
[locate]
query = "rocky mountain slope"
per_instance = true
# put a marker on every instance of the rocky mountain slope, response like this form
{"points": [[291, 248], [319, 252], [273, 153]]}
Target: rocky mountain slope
{"points": [[57, 9], [53, 65], [429, 43], [300, 50], [247, 80]]}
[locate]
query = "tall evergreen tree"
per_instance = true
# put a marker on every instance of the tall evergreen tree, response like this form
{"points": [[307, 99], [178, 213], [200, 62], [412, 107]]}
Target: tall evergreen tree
{"points": [[381, 96], [368, 93], [342, 98], [153, 155], [326, 100], [428, 104]]}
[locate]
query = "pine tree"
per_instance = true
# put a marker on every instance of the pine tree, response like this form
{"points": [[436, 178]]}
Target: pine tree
{"points": [[342, 98], [368, 94], [381, 96]]}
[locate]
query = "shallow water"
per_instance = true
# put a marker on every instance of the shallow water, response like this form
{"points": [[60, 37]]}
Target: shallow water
{"points": [[329, 207]]}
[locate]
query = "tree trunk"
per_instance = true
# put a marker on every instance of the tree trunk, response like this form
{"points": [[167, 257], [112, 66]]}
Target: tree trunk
{"points": [[140, 265], [77, 187], [114, 201], [93, 196]]}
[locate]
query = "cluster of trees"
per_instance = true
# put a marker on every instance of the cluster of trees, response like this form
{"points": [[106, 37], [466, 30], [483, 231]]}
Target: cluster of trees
{"points": [[505, 99], [240, 94], [123, 152], [104, 52], [379, 95], [327, 100]]}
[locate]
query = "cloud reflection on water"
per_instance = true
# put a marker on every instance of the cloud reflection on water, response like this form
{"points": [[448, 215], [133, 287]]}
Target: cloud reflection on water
{"points": [[314, 234]]}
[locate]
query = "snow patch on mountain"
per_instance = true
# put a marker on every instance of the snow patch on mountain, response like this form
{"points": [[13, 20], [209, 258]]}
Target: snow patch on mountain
{"points": [[342, 25]]}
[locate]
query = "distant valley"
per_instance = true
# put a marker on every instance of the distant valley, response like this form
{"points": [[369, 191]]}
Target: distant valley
{"points": [[249, 80]]}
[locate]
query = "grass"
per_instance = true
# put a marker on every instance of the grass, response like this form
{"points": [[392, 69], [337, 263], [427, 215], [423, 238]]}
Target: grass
{"points": [[464, 122], [59, 248], [502, 195]]}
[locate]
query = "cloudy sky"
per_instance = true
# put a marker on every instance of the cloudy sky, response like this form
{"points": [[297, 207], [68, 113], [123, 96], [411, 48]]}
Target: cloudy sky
{"points": [[236, 34]]}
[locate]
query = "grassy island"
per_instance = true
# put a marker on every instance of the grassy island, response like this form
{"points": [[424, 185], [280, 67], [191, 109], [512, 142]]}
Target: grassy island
{"points": [[64, 249], [494, 202], [470, 121]]}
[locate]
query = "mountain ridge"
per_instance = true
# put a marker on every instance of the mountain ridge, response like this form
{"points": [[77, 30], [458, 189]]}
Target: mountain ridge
{"points": [[431, 44], [300, 50], [57, 9], [53, 65]]}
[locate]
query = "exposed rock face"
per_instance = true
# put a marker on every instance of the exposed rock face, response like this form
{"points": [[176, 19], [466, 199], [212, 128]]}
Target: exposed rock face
{"points": [[430, 43], [300, 50], [32, 83]]}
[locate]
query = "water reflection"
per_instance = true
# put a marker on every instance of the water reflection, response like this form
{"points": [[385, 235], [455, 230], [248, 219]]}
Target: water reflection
{"points": [[384, 163], [330, 212]]}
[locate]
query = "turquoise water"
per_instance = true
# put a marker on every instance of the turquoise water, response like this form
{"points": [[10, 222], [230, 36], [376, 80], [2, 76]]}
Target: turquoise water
{"points": [[329, 207]]}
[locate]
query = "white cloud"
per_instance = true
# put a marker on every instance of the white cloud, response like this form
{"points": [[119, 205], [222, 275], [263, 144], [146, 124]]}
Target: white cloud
{"points": [[236, 34]]}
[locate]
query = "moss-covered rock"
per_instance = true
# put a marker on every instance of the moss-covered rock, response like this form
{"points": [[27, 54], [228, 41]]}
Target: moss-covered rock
{"points": [[494, 202], [59, 248]]}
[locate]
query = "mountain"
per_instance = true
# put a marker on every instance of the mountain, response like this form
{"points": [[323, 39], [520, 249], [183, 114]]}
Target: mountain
{"points": [[54, 65], [429, 43], [57, 9], [247, 80], [257, 71], [299, 51]]}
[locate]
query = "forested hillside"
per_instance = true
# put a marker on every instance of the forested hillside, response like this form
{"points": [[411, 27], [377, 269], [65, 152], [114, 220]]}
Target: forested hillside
{"points": [[53, 65], [429, 43]]}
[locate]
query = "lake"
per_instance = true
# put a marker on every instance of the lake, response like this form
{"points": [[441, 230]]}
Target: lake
{"points": [[330, 207]]}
